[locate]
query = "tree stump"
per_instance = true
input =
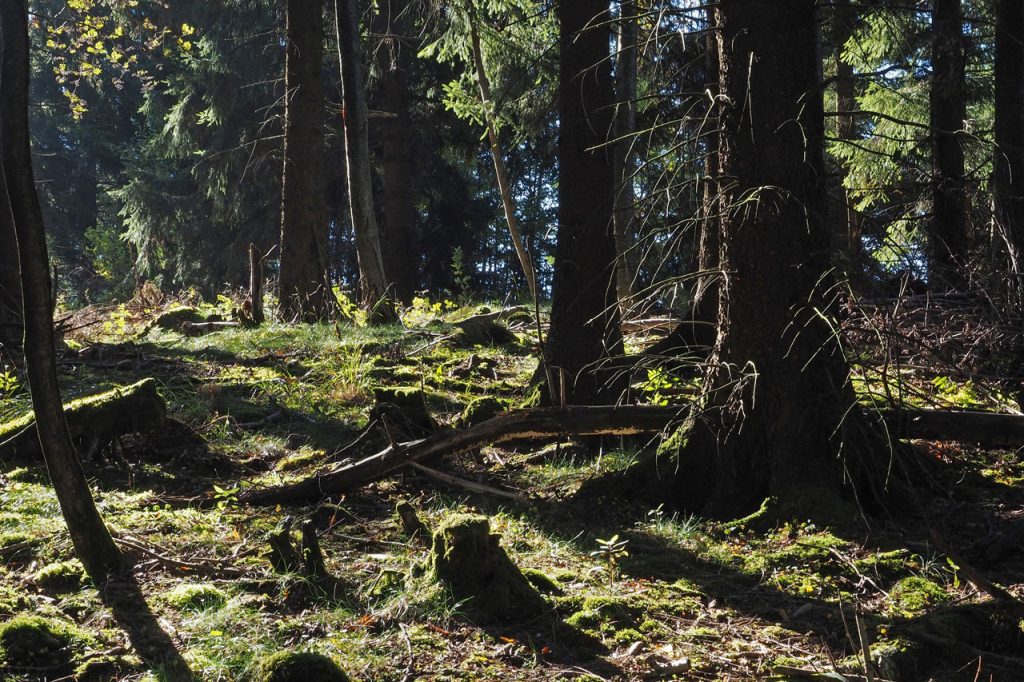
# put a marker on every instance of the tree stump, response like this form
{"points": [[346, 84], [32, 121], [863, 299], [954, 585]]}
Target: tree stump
{"points": [[467, 559]]}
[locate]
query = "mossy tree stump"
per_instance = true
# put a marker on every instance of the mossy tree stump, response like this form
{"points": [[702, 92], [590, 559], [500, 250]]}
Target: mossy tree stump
{"points": [[468, 559], [298, 666]]}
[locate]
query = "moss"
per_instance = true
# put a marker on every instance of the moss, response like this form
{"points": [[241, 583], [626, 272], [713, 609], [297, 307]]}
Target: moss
{"points": [[884, 564], [65, 576], [542, 581], [196, 597], [298, 666], [480, 410], [33, 641], [627, 636], [468, 559], [915, 594], [102, 669], [174, 318], [405, 407], [11, 538], [299, 460]]}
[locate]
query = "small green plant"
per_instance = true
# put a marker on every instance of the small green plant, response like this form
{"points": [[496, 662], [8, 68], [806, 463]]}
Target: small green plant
{"points": [[459, 273], [658, 383], [117, 324], [611, 551], [9, 383], [225, 496]]}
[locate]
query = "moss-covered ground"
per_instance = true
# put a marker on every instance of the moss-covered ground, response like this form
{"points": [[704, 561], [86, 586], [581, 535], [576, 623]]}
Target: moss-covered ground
{"points": [[737, 601]]}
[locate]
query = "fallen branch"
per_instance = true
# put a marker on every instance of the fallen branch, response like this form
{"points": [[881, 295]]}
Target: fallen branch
{"points": [[994, 430], [537, 423]]}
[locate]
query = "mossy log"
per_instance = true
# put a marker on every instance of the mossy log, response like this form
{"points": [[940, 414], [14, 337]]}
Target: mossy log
{"points": [[468, 559], [137, 408]]}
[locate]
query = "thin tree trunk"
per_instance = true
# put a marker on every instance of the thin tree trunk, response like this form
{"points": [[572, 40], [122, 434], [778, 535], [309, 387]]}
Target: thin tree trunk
{"points": [[18, 199], [843, 22], [706, 296], [585, 329], [305, 290], [398, 228], [374, 283], [256, 285], [1008, 160], [949, 239], [627, 263], [504, 187]]}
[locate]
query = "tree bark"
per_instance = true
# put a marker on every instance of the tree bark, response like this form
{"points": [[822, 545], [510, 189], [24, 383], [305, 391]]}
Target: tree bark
{"points": [[949, 240], [374, 283], [1008, 160], [585, 330], [627, 263], [255, 286], [398, 228], [777, 388], [305, 290], [91, 539]]}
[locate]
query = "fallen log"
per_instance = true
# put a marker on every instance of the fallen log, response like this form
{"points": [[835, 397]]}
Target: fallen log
{"points": [[987, 429], [983, 428], [537, 423], [136, 408]]}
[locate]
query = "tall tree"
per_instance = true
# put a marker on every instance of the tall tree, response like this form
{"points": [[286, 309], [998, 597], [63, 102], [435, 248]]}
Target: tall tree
{"points": [[11, 328], [398, 209], [1008, 161], [374, 284], [20, 204], [624, 215], [948, 237], [777, 386], [584, 307], [304, 290]]}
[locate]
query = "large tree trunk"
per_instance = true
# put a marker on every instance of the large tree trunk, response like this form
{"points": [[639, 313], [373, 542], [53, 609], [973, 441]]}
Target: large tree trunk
{"points": [[1008, 161], [627, 263], [374, 283], [398, 229], [305, 290], [584, 307], [777, 390], [11, 328], [90, 536], [949, 239]]}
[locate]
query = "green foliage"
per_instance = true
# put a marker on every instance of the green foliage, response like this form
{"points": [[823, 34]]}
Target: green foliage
{"points": [[611, 551], [196, 597]]}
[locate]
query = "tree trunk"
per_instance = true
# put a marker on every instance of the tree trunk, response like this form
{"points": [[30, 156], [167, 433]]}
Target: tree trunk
{"points": [[305, 290], [1008, 161], [374, 283], [627, 263], [584, 308], [11, 327], [704, 315], [949, 240], [398, 229], [844, 20], [90, 536], [778, 389]]}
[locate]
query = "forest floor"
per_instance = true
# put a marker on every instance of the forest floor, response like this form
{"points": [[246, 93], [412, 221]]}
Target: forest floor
{"points": [[683, 598]]}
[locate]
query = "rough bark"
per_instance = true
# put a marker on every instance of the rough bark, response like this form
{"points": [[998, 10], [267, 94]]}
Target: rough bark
{"points": [[91, 539], [1008, 161], [584, 332], [374, 282], [777, 384], [948, 241], [304, 290], [398, 227], [624, 215]]}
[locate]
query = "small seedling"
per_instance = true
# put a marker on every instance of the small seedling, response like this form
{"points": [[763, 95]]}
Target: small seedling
{"points": [[611, 551]]}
